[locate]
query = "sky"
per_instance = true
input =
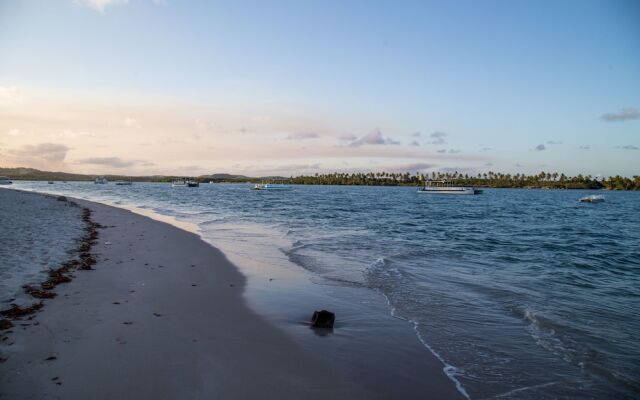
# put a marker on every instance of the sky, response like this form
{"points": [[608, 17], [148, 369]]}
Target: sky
{"points": [[146, 87]]}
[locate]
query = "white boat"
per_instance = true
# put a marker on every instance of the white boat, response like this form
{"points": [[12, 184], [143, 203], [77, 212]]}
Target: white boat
{"points": [[185, 182], [270, 186], [444, 187], [101, 180], [123, 183], [594, 198], [5, 181]]}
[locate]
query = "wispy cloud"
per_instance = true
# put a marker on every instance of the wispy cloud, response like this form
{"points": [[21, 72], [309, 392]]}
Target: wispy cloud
{"points": [[9, 92], [114, 162], [540, 147], [131, 123], [348, 137], [552, 142], [373, 138], [628, 147], [414, 143], [416, 134], [624, 115], [585, 147], [303, 136], [438, 138], [43, 152], [412, 167]]}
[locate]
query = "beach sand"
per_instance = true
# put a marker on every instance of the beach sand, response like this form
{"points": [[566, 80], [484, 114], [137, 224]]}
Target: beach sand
{"points": [[162, 316]]}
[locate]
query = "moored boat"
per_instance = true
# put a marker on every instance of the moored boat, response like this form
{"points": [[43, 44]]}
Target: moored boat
{"points": [[5, 181], [594, 198], [101, 180], [445, 187], [270, 186], [185, 182], [124, 183]]}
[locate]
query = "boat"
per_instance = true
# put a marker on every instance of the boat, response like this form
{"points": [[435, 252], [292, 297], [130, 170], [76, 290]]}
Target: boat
{"points": [[50, 182], [101, 180], [445, 187], [124, 183], [185, 182], [594, 198], [270, 186], [5, 181]]}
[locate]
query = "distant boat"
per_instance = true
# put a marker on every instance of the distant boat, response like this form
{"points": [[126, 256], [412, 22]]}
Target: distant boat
{"points": [[124, 183], [445, 187], [185, 182], [594, 198], [5, 181], [270, 186], [50, 182], [101, 180]]}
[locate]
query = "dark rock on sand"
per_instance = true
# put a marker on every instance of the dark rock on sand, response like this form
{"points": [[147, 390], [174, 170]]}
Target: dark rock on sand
{"points": [[323, 319], [62, 198]]}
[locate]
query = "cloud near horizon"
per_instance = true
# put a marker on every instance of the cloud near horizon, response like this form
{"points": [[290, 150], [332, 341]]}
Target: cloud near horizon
{"points": [[303, 136], [373, 138], [40, 154], [624, 115], [115, 162], [540, 147], [438, 138]]}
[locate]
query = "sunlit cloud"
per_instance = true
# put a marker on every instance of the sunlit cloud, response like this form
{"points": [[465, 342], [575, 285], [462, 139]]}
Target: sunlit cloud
{"points": [[9, 92], [100, 5]]}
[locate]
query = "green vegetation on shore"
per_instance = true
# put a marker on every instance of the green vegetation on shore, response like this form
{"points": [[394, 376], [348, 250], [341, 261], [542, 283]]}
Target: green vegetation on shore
{"points": [[544, 180]]}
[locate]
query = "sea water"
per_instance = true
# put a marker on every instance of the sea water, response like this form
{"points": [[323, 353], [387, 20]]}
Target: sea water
{"points": [[524, 294]]}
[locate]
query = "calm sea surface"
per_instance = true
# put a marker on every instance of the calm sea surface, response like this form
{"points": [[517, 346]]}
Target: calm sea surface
{"points": [[525, 294]]}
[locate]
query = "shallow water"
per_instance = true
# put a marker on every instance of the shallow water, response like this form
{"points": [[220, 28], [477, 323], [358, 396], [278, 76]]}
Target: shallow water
{"points": [[525, 294]]}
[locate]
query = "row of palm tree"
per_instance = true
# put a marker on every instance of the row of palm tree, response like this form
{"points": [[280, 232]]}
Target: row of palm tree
{"points": [[550, 180]]}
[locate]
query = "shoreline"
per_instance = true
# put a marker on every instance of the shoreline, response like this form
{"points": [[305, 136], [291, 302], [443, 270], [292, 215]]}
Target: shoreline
{"points": [[242, 346]]}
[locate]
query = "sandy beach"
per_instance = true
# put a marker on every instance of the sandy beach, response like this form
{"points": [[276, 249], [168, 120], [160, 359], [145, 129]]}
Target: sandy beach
{"points": [[162, 316]]}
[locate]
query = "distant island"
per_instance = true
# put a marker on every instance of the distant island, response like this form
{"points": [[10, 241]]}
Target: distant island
{"points": [[543, 180]]}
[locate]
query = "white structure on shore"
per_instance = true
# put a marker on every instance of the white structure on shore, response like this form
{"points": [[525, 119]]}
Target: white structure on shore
{"points": [[101, 180]]}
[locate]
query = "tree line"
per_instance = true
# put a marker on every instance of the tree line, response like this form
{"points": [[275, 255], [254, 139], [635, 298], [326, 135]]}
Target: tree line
{"points": [[544, 180]]}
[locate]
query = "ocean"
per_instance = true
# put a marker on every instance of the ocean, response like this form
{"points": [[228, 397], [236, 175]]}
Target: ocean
{"points": [[523, 294]]}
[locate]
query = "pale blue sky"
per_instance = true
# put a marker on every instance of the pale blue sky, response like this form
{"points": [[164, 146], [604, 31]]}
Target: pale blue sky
{"points": [[499, 78]]}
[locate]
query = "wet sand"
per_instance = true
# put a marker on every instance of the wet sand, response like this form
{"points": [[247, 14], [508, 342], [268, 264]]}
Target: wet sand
{"points": [[162, 316]]}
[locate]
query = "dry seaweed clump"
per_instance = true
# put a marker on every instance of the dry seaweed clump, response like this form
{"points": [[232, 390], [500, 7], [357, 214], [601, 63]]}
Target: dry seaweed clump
{"points": [[16, 311], [62, 274], [5, 324]]}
